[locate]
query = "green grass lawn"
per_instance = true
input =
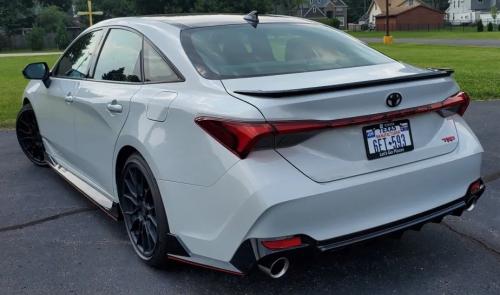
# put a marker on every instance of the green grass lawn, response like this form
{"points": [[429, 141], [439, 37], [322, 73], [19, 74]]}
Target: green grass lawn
{"points": [[477, 70], [457, 33], [12, 84]]}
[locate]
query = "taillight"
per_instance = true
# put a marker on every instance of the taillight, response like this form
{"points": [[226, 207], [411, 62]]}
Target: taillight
{"points": [[241, 137], [456, 104], [238, 137], [282, 244]]}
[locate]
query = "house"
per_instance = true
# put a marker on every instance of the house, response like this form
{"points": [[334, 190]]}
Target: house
{"points": [[470, 11], [403, 15], [317, 9], [378, 7]]}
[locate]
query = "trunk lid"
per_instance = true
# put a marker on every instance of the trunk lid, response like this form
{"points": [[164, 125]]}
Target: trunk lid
{"points": [[343, 93]]}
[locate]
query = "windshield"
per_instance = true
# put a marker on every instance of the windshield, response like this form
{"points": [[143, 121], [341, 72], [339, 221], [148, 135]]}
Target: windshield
{"points": [[237, 51]]}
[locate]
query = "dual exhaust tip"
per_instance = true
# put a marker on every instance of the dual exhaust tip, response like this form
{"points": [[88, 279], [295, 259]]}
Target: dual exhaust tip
{"points": [[275, 268]]}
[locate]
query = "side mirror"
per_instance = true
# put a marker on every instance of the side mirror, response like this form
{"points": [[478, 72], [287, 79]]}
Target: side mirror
{"points": [[38, 71]]}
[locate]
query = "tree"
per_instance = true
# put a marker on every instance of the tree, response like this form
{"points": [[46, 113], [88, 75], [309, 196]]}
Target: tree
{"points": [[490, 27], [15, 14], [480, 26], [150, 6], [35, 38], [62, 38], [230, 6], [51, 18], [65, 5], [494, 13], [110, 8]]}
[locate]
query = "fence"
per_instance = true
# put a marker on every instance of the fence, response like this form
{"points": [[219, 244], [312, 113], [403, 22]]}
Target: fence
{"points": [[416, 27], [19, 40]]}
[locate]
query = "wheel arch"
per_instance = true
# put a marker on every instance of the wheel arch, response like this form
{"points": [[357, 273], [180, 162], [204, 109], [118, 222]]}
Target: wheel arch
{"points": [[126, 146], [26, 101]]}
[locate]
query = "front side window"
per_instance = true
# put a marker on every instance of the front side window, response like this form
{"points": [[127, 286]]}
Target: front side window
{"points": [[236, 51], [156, 69], [120, 57], [76, 61]]}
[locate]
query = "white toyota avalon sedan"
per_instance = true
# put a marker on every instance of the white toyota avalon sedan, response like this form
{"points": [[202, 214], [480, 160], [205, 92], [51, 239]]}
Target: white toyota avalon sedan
{"points": [[236, 142]]}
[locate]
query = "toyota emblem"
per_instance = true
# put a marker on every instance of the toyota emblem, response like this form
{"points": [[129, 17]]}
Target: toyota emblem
{"points": [[394, 99]]}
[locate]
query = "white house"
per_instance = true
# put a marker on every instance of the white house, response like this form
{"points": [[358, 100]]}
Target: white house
{"points": [[470, 11], [378, 7]]}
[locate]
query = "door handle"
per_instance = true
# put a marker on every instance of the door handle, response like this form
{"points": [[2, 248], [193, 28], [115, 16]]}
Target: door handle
{"points": [[68, 98], [114, 107]]}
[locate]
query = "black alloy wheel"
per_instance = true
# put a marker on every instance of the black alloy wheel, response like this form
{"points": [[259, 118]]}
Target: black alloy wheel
{"points": [[28, 136], [143, 211]]}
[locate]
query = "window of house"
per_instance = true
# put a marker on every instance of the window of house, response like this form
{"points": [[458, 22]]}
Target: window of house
{"points": [[125, 66], [76, 61]]}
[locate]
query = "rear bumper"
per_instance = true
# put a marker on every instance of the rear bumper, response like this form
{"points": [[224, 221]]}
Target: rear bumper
{"points": [[264, 197], [252, 251]]}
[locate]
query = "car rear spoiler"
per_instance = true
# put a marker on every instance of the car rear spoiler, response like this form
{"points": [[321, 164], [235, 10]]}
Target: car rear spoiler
{"points": [[433, 73]]}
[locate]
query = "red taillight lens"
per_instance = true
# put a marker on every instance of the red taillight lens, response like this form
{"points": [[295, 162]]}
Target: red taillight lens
{"points": [[238, 137], [283, 243], [241, 137], [456, 104]]}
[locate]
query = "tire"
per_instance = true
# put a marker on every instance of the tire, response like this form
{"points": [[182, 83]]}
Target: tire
{"points": [[28, 136], [143, 211]]}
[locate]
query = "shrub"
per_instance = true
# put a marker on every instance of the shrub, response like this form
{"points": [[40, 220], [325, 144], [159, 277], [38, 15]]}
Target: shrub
{"points": [[334, 23], [490, 27], [480, 26], [4, 41], [35, 38], [62, 38]]}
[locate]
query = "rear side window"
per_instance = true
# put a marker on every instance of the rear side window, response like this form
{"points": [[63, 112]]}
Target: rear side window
{"points": [[156, 69], [120, 57], [76, 61], [236, 51]]}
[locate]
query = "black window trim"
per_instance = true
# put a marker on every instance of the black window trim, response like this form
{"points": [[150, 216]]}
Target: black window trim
{"points": [[99, 52], [180, 78], [95, 57], [144, 38], [92, 61]]}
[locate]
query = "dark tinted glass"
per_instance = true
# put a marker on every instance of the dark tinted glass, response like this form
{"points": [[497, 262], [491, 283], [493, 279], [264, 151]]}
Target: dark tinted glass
{"points": [[270, 49], [156, 69], [76, 61], [120, 58]]}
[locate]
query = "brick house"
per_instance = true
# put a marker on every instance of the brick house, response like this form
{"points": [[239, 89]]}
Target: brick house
{"points": [[403, 15], [417, 16]]}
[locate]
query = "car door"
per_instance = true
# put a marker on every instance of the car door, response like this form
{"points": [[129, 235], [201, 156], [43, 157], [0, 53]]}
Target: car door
{"points": [[54, 105], [102, 104]]}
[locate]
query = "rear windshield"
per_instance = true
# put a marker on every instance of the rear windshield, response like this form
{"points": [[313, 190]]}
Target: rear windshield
{"points": [[237, 51]]}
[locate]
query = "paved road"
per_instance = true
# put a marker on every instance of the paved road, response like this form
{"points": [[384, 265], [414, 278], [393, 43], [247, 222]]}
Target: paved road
{"points": [[28, 54], [53, 241], [459, 42]]}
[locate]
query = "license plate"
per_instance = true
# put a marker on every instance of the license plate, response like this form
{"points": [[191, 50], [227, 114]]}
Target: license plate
{"points": [[387, 139]]}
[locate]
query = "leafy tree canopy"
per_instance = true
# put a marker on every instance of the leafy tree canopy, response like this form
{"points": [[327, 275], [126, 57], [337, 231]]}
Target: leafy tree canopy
{"points": [[51, 18], [15, 14]]}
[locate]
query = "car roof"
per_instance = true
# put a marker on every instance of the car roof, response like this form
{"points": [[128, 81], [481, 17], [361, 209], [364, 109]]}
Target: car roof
{"points": [[206, 20]]}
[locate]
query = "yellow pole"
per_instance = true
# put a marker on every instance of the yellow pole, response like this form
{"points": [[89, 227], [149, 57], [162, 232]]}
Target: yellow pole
{"points": [[89, 4], [387, 37]]}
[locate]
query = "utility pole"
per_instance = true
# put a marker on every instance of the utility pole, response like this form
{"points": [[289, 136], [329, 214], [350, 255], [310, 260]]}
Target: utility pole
{"points": [[387, 37], [89, 12]]}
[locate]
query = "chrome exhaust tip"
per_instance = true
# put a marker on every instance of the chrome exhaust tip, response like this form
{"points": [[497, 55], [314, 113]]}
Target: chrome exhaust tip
{"points": [[277, 268], [471, 207]]}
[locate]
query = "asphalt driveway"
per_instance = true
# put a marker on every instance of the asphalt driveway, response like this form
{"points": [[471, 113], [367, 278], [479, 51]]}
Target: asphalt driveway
{"points": [[53, 241]]}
